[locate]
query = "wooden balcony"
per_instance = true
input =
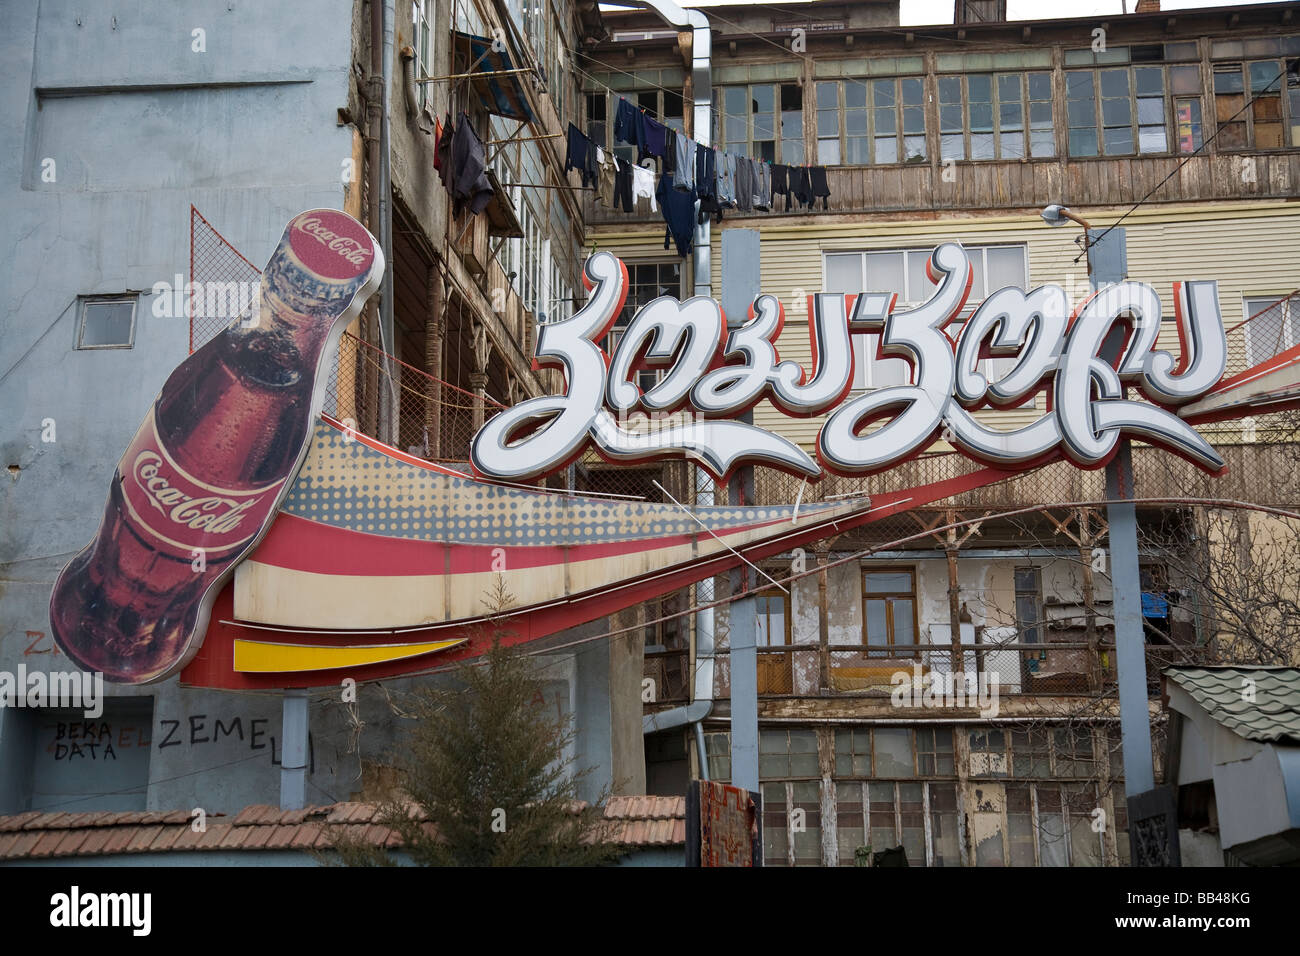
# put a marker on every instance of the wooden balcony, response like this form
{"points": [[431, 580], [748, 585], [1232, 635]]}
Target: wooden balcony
{"points": [[1004, 186]]}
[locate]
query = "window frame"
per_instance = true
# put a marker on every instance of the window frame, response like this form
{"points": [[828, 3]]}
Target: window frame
{"points": [[1290, 325], [886, 650], [646, 378], [775, 593], [1287, 117], [107, 298], [857, 792], [1039, 624], [1133, 97], [872, 135], [865, 369], [723, 143], [1024, 102], [422, 49], [606, 141]]}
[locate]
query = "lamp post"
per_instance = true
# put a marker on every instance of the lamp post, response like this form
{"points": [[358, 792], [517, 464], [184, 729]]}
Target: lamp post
{"points": [[1108, 263], [1058, 215]]}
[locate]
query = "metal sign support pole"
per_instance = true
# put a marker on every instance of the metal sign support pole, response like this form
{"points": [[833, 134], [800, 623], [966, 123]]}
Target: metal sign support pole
{"points": [[740, 286], [293, 751], [1108, 263]]}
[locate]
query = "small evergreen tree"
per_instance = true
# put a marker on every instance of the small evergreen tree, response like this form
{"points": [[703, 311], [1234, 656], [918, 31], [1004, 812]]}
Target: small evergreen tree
{"points": [[487, 768]]}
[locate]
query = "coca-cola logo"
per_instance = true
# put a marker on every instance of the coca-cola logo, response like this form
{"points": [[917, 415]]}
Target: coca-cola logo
{"points": [[212, 514], [350, 249]]}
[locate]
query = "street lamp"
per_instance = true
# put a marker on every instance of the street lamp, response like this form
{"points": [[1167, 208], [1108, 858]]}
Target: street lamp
{"points": [[1056, 215]]}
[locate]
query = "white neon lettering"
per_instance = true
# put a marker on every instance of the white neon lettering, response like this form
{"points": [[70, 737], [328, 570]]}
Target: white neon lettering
{"points": [[1088, 364]]}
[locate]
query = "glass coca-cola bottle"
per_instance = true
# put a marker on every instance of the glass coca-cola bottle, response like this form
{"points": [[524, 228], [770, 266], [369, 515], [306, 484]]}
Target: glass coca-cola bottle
{"points": [[207, 468]]}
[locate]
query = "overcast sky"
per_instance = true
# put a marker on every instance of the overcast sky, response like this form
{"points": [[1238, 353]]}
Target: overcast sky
{"points": [[918, 12]]}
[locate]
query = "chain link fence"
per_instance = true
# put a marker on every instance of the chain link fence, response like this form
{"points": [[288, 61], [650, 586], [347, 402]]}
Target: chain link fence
{"points": [[222, 282]]}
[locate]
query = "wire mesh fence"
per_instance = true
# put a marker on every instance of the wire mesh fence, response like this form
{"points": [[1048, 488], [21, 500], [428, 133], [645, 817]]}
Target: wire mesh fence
{"points": [[1264, 333], [222, 281], [429, 418]]}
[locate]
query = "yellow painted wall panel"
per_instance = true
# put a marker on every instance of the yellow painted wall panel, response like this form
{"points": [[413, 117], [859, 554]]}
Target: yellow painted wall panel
{"points": [[1252, 249]]}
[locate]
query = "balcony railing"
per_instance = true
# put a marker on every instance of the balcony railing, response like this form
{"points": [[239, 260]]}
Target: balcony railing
{"points": [[940, 676], [1021, 184]]}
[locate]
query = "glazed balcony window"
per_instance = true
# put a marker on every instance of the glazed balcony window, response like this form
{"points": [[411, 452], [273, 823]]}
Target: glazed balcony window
{"points": [[871, 122], [762, 121]]}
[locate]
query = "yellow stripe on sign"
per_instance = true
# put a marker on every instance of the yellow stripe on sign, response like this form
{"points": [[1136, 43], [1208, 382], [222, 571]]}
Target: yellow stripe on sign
{"points": [[265, 657]]}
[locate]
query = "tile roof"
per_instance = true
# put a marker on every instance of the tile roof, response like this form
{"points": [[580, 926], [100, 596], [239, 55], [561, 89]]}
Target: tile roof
{"points": [[633, 821], [1273, 716]]}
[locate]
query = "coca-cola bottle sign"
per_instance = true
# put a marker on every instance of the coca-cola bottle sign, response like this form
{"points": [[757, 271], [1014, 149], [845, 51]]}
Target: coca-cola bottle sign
{"points": [[329, 244], [201, 481]]}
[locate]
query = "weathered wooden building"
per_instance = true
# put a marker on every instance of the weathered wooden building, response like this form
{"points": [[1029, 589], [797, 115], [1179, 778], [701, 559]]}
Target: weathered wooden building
{"points": [[1181, 128]]}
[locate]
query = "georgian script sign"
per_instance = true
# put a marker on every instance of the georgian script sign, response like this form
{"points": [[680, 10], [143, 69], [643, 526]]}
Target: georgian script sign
{"points": [[714, 375]]}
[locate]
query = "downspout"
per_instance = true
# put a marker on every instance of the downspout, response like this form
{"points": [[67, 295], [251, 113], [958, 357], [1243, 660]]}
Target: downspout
{"points": [[702, 685], [387, 331]]}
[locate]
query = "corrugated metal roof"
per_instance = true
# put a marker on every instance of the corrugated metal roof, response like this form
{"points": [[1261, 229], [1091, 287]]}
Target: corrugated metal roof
{"points": [[634, 821], [1258, 703]]}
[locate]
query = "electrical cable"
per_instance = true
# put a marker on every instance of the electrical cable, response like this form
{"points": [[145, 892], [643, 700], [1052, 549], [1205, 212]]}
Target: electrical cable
{"points": [[895, 544], [1222, 125]]}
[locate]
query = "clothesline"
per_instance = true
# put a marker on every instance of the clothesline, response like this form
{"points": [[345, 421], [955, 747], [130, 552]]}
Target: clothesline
{"points": [[697, 181]]}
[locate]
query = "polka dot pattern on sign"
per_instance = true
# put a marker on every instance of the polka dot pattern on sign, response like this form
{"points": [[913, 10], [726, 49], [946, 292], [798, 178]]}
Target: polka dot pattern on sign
{"points": [[348, 484]]}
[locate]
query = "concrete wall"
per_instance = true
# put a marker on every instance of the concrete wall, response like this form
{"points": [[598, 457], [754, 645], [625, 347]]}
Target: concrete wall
{"points": [[139, 126], [136, 125]]}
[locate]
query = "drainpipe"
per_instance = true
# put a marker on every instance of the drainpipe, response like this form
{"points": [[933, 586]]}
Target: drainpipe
{"points": [[387, 331], [702, 82]]}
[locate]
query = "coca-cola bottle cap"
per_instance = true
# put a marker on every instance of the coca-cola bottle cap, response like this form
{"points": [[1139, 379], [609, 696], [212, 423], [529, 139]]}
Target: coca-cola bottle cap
{"points": [[332, 244]]}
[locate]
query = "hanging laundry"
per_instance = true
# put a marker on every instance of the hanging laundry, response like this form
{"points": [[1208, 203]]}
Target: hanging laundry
{"points": [[781, 184], [656, 140], [469, 183], [580, 155], [801, 185], [761, 184], [623, 198], [643, 185], [727, 179], [442, 150], [684, 165], [820, 187], [629, 124], [670, 151], [706, 184], [744, 184], [604, 178], [679, 215]]}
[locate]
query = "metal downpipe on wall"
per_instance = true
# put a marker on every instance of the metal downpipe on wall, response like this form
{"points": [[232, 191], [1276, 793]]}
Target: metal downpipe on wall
{"points": [[702, 122], [387, 328]]}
